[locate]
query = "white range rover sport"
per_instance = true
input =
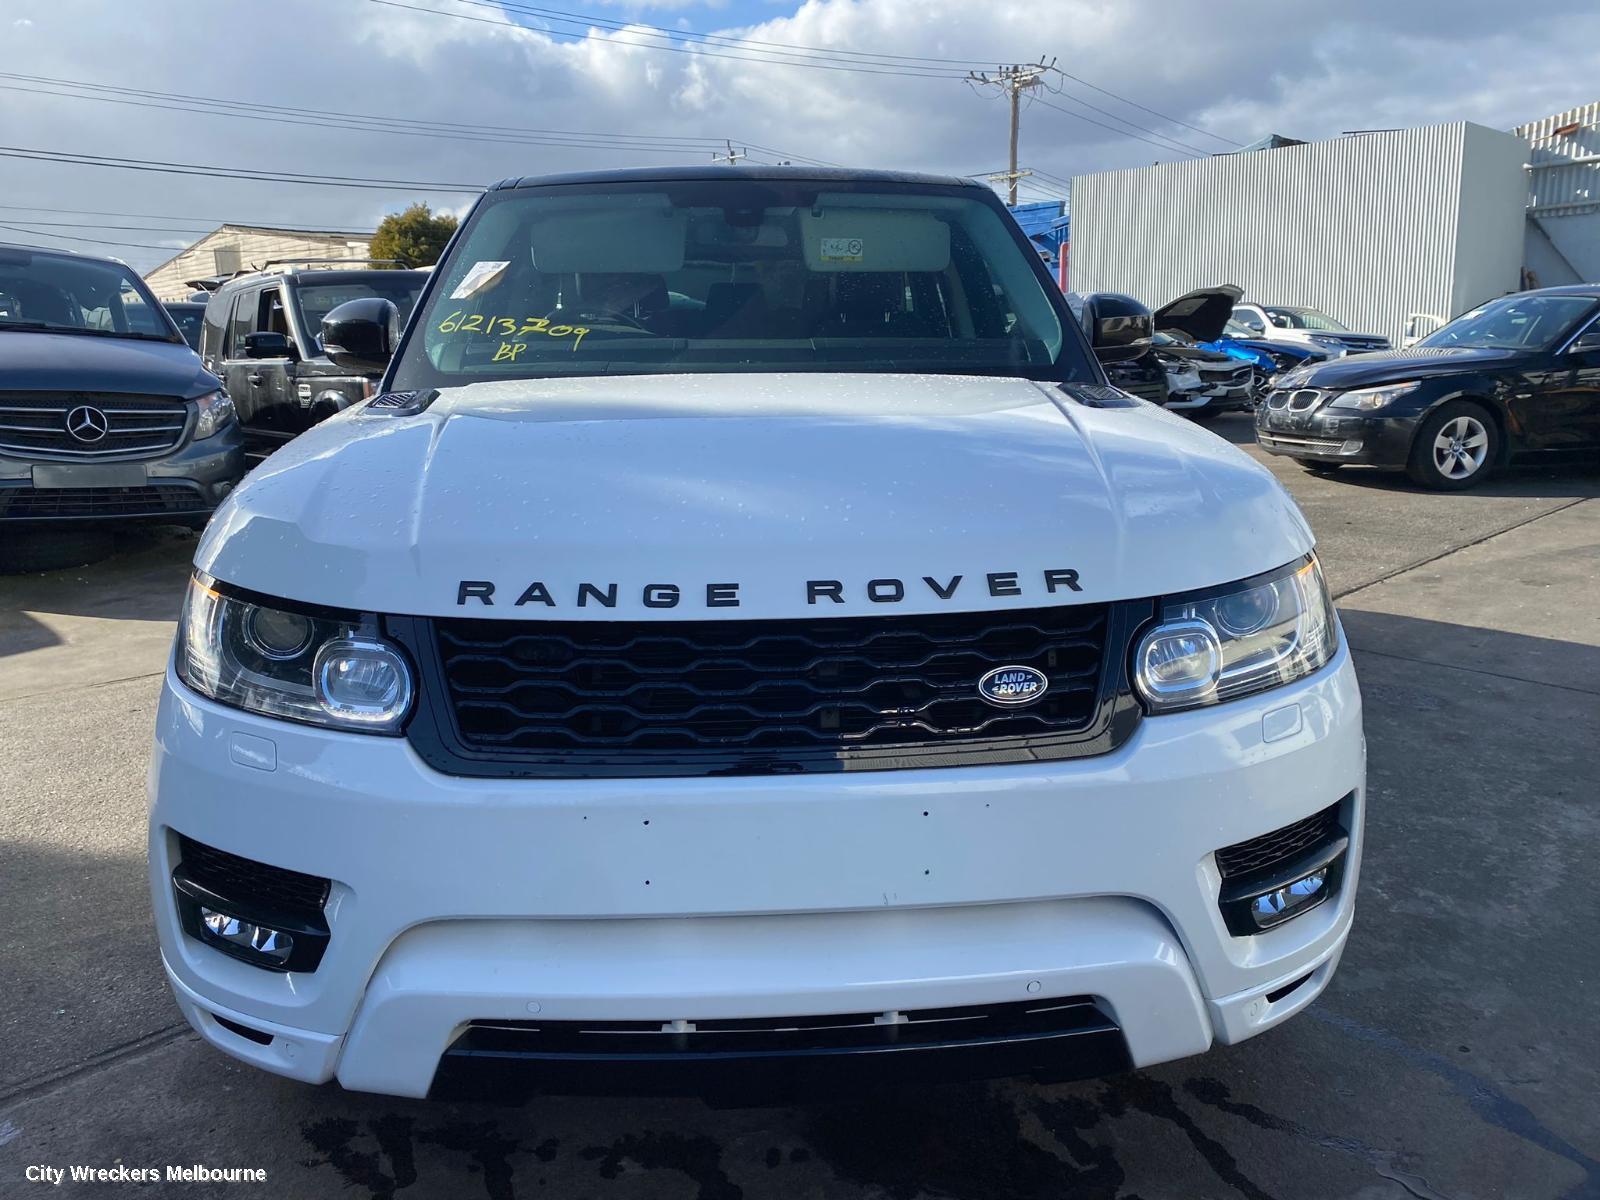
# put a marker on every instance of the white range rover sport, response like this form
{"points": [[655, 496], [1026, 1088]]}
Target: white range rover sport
{"points": [[747, 646]]}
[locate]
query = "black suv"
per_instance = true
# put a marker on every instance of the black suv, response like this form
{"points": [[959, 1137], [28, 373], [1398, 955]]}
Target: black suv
{"points": [[261, 336], [104, 411], [1514, 377]]}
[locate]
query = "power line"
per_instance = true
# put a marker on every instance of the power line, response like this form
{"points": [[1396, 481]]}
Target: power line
{"points": [[1171, 147], [343, 121], [209, 223], [1143, 108], [768, 58], [1134, 127], [71, 237], [172, 168]]}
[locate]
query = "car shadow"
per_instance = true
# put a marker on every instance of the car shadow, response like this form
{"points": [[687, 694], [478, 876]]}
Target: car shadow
{"points": [[1567, 478], [142, 579]]}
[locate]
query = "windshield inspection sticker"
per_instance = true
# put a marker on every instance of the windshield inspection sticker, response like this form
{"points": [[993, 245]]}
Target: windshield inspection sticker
{"points": [[842, 250], [481, 278]]}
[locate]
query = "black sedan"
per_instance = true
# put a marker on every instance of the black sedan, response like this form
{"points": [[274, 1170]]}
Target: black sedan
{"points": [[1515, 377]]}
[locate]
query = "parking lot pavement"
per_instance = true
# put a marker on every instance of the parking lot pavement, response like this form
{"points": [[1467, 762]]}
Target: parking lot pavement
{"points": [[1453, 1055]]}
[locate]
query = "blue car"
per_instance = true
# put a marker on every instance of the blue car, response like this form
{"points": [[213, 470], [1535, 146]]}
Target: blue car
{"points": [[1272, 357]]}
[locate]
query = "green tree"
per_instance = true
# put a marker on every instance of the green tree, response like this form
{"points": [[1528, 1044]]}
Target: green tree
{"points": [[416, 235]]}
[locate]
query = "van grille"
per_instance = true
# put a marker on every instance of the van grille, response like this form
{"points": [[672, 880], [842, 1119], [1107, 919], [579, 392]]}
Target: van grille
{"points": [[43, 504], [34, 424], [696, 697]]}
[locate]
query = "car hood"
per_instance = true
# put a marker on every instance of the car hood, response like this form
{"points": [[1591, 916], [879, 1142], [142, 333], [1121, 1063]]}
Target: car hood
{"points": [[765, 482], [1201, 313], [1395, 366], [48, 362]]}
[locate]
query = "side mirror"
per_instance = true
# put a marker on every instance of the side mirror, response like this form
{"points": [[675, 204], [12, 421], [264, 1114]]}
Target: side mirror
{"points": [[1120, 328], [268, 345], [360, 335], [1588, 343]]}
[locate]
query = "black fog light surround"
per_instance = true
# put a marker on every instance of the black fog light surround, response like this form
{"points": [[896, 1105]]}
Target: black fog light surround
{"points": [[257, 934], [1264, 900]]}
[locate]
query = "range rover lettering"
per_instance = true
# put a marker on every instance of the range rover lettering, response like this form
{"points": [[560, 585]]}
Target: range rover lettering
{"points": [[745, 634]]}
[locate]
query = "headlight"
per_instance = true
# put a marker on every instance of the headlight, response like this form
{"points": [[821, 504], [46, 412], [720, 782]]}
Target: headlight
{"points": [[1367, 399], [1230, 642], [1326, 339], [299, 664], [216, 410]]}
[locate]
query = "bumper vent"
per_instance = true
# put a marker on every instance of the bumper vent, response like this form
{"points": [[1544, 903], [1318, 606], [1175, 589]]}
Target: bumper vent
{"points": [[1280, 847], [48, 504], [1052, 1039], [709, 697], [251, 882], [36, 424]]}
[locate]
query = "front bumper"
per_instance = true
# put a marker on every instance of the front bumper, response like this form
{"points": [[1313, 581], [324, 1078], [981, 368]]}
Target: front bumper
{"points": [[183, 486], [457, 902], [1335, 435]]}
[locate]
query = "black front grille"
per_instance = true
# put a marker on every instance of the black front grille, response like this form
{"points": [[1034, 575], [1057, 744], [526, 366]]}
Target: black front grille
{"points": [[1281, 846], [710, 696], [35, 424], [246, 881], [38, 504]]}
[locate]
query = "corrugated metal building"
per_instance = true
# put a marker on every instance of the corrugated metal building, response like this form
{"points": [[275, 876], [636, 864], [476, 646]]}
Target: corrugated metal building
{"points": [[1368, 228], [240, 247], [1563, 242]]}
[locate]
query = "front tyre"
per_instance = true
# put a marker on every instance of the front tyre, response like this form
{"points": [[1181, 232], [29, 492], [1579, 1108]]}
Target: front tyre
{"points": [[1455, 448]]}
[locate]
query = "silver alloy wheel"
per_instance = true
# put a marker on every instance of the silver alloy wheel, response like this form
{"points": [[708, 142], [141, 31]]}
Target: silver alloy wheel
{"points": [[1460, 448]]}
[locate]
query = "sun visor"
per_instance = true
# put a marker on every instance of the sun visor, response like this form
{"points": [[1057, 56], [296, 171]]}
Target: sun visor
{"points": [[605, 240], [867, 239]]}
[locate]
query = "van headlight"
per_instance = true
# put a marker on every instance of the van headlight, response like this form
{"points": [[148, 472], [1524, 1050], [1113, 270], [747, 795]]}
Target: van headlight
{"points": [[301, 664], [1233, 641], [216, 410]]}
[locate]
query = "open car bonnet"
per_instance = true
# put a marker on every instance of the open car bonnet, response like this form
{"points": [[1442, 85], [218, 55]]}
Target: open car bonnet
{"points": [[1199, 315]]}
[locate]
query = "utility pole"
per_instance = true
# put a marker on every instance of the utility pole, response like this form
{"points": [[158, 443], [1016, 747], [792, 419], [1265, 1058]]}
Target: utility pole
{"points": [[1013, 80], [732, 156]]}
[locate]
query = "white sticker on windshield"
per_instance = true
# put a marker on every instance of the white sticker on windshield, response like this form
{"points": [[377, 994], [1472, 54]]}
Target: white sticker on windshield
{"points": [[481, 278], [841, 250]]}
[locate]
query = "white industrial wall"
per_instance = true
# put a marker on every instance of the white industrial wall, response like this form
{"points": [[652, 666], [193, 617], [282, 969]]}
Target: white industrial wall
{"points": [[1564, 196], [243, 247], [1491, 228], [1366, 228]]}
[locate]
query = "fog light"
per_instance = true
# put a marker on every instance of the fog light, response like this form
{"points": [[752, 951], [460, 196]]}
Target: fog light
{"points": [[273, 945], [1352, 446], [1278, 905]]}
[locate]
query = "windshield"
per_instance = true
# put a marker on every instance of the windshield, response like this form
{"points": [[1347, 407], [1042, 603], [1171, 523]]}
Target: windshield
{"points": [[1237, 329], [317, 299], [1515, 323], [188, 318], [1305, 318], [88, 296], [737, 275]]}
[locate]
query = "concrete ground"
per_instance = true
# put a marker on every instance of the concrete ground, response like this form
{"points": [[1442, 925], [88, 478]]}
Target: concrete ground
{"points": [[1457, 1053]]}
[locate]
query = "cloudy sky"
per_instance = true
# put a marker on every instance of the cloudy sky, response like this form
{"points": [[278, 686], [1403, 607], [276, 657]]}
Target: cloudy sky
{"points": [[463, 92]]}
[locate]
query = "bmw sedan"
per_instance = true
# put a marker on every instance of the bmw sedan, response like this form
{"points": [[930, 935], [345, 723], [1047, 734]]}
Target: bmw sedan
{"points": [[1514, 378]]}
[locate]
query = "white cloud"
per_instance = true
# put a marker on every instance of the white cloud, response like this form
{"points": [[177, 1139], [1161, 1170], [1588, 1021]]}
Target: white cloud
{"points": [[1242, 68]]}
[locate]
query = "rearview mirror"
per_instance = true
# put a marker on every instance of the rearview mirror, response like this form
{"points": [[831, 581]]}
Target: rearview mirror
{"points": [[268, 345], [1119, 327], [360, 335]]}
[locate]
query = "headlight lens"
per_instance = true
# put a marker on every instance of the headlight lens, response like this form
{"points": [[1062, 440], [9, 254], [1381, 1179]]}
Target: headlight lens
{"points": [[1236, 641], [326, 669], [216, 410], [1367, 399]]}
